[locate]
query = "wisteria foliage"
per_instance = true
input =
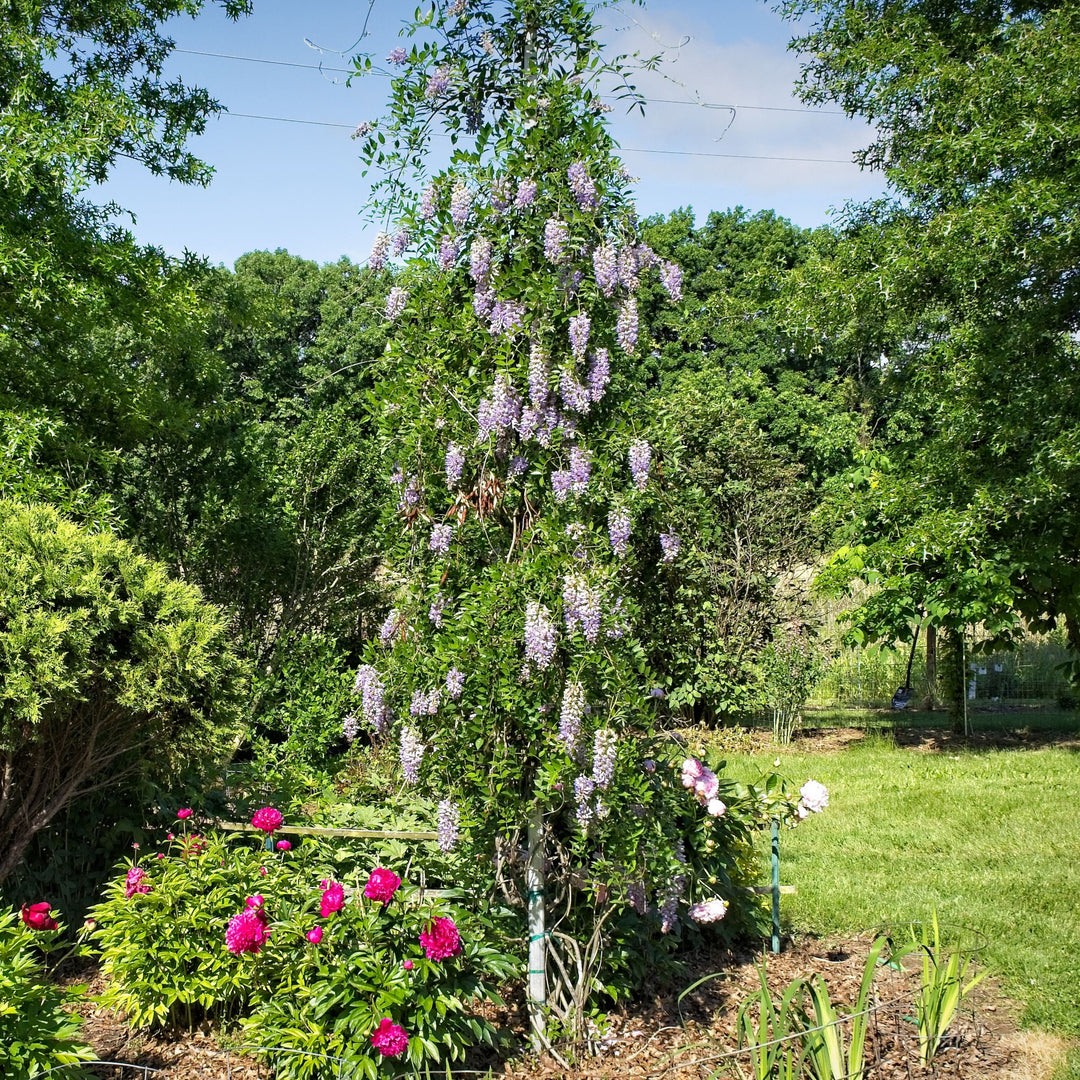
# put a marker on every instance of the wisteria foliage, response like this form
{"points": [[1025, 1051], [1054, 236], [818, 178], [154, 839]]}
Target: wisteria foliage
{"points": [[519, 485]]}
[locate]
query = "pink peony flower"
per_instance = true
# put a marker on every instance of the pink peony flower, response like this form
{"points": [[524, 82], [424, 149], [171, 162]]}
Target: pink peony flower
{"points": [[37, 917], [691, 772], [253, 902], [134, 882], [284, 845], [262, 871], [707, 786], [390, 1038], [333, 898], [408, 965], [247, 931], [441, 939], [709, 911], [815, 796], [186, 812], [315, 935], [160, 855], [716, 808], [382, 885], [267, 820]]}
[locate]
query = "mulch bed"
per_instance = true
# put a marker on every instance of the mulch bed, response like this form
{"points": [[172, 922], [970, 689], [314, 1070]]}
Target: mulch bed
{"points": [[658, 1034]]}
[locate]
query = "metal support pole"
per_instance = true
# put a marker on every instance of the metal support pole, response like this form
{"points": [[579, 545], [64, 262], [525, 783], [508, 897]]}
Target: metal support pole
{"points": [[775, 886], [534, 884]]}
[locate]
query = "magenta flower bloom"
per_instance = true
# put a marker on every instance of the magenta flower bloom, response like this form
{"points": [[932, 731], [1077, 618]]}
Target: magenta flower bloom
{"points": [[267, 820], [247, 931], [134, 882], [186, 812], [315, 935], [390, 1039], [283, 845], [441, 939], [37, 916], [333, 898], [408, 965], [381, 885]]}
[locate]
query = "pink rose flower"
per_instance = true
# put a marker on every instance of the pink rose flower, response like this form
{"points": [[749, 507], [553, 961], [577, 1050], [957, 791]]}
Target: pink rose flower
{"points": [[37, 917], [390, 1038], [441, 939], [315, 935], [333, 898], [382, 885], [267, 820], [186, 812]]}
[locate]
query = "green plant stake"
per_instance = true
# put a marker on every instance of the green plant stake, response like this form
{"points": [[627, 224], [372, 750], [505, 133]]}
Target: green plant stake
{"points": [[775, 886]]}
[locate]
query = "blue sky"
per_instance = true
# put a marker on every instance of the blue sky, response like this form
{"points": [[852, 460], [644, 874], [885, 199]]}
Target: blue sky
{"points": [[298, 186]]}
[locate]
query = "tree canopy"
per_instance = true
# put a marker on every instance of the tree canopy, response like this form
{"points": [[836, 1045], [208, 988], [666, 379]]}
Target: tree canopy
{"points": [[965, 284]]}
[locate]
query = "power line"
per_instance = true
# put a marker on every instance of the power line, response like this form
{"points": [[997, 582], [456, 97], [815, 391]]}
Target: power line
{"points": [[623, 149], [386, 75]]}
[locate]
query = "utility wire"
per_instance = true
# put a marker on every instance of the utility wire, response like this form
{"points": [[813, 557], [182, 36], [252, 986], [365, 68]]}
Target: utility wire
{"points": [[623, 149], [386, 75]]}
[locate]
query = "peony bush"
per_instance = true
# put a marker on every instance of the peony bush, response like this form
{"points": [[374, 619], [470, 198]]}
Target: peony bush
{"points": [[363, 967]]}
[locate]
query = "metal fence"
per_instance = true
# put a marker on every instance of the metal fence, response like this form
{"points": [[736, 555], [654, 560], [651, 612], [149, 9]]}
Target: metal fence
{"points": [[1029, 676]]}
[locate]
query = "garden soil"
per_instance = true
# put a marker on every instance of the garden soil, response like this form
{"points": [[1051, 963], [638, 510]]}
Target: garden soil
{"points": [[666, 1033]]}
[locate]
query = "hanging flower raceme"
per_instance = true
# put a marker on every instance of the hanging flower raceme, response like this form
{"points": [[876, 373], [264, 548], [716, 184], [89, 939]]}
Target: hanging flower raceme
{"points": [[626, 325], [671, 276], [440, 939], [379, 250], [669, 544], [556, 237], [441, 536], [599, 374], [396, 300], [640, 457], [579, 334], [619, 530], [460, 204], [449, 820], [411, 754], [605, 746], [606, 268], [455, 683], [526, 194], [581, 185], [373, 697], [540, 638], [573, 709]]}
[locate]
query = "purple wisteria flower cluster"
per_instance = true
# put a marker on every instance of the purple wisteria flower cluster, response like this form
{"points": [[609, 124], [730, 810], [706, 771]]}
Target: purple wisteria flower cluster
{"points": [[501, 412], [455, 684], [584, 786], [350, 727], [480, 260], [396, 300], [556, 237], [582, 606], [599, 374], [573, 709], [606, 268], [582, 185], [435, 611], [411, 754], [449, 247], [427, 202], [574, 395], [449, 822], [425, 703], [455, 464], [671, 277], [540, 637], [438, 83], [460, 204], [539, 375], [605, 747], [373, 702], [626, 325], [619, 530], [441, 536], [379, 251], [392, 627], [526, 194], [640, 457], [579, 334], [669, 544]]}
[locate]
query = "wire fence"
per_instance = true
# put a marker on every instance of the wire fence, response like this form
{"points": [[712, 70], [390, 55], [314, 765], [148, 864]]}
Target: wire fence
{"points": [[1030, 676]]}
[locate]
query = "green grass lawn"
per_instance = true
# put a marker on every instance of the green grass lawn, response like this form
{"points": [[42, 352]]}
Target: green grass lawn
{"points": [[990, 838]]}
